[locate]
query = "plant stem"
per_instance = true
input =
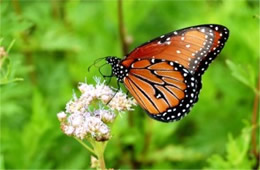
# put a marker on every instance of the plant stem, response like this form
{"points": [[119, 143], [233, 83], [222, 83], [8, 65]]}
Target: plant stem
{"points": [[147, 137], [254, 123], [122, 35], [99, 148], [10, 46], [26, 41], [101, 161], [55, 9], [16, 6], [2, 60], [86, 146]]}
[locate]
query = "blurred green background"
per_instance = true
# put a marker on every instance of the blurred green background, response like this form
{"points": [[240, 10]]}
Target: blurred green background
{"points": [[55, 42]]}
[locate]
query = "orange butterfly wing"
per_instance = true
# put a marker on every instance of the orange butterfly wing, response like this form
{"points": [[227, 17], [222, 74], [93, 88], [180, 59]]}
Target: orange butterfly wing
{"points": [[188, 47], [164, 74], [162, 88]]}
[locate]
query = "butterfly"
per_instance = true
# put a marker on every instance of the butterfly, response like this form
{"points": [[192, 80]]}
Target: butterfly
{"points": [[164, 74]]}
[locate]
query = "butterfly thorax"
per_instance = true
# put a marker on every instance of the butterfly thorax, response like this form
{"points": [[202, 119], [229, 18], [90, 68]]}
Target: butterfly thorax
{"points": [[118, 69]]}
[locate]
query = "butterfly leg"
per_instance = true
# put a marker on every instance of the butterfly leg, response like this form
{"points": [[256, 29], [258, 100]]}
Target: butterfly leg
{"points": [[117, 90], [109, 80]]}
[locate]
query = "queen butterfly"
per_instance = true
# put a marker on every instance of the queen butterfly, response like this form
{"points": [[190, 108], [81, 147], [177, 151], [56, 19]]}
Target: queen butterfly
{"points": [[164, 74]]}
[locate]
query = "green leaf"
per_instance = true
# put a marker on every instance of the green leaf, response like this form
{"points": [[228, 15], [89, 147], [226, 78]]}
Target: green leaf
{"points": [[237, 156], [243, 73], [6, 68]]}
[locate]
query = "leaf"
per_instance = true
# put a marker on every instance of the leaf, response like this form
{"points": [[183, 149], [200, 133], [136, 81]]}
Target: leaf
{"points": [[243, 73], [6, 68], [237, 156]]}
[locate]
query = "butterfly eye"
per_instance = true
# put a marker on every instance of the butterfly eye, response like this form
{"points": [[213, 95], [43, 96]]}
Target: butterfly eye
{"points": [[108, 59]]}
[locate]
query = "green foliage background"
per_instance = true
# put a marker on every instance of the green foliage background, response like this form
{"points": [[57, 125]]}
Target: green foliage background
{"points": [[55, 42]]}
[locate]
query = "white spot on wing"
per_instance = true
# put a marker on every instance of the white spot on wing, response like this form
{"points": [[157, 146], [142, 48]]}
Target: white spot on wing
{"points": [[168, 42]]}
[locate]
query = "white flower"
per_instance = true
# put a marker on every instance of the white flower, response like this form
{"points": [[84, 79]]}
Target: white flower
{"points": [[93, 124], [79, 105], [80, 132], [69, 107], [105, 115], [61, 116], [105, 98], [99, 130], [86, 90], [76, 120], [121, 102], [68, 130], [103, 92], [103, 129]]}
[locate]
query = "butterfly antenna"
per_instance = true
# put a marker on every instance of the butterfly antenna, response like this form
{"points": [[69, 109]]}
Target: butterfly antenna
{"points": [[99, 69], [95, 62], [105, 76]]}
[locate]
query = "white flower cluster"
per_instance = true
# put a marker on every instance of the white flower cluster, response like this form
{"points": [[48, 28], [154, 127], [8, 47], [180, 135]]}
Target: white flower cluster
{"points": [[86, 117]]}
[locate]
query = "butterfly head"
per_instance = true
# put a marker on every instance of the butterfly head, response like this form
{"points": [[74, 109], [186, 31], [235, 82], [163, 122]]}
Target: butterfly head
{"points": [[118, 69], [112, 60]]}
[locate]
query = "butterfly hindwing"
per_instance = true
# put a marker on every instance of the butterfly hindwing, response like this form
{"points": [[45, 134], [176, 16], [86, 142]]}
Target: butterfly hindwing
{"points": [[165, 89]]}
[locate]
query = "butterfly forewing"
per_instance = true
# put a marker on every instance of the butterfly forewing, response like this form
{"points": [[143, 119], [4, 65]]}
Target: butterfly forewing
{"points": [[188, 47]]}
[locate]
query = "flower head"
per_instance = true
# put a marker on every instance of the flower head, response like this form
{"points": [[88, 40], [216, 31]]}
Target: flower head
{"points": [[106, 116], [89, 114]]}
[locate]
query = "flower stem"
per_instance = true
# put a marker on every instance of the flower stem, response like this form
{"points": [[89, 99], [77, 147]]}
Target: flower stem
{"points": [[86, 146], [102, 161], [99, 148]]}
